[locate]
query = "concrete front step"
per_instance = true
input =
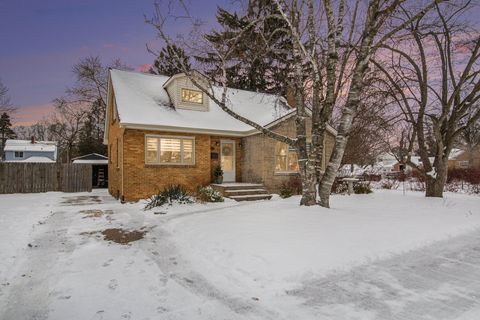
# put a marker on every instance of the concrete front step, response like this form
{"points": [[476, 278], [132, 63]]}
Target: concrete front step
{"points": [[237, 186], [243, 191], [252, 197]]}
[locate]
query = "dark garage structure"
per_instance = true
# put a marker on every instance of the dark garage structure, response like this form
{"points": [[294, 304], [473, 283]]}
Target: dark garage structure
{"points": [[99, 165]]}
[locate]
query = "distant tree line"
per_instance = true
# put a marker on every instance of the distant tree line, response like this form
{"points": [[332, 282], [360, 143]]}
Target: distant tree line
{"points": [[78, 121]]}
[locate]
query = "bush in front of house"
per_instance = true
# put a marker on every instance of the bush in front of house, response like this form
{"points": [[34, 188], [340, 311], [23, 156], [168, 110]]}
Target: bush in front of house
{"points": [[292, 187], [471, 176], [362, 188], [208, 194], [285, 191], [171, 194], [339, 187]]}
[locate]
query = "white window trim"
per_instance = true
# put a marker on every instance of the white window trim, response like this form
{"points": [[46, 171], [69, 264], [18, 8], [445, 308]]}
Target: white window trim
{"points": [[158, 163]]}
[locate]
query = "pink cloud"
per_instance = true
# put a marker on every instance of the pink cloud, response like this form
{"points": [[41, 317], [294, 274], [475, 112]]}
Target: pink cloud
{"points": [[144, 67], [28, 115]]}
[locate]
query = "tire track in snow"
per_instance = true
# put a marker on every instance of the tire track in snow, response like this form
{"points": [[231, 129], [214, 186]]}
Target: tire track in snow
{"points": [[440, 281], [28, 297]]}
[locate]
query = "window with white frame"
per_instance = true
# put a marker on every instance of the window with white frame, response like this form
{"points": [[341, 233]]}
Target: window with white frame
{"points": [[18, 154], [286, 159], [169, 150], [463, 164], [192, 96]]}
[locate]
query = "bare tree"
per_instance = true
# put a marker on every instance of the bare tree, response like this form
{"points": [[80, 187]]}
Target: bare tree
{"points": [[64, 126], [351, 40], [469, 139], [434, 71], [336, 62]]}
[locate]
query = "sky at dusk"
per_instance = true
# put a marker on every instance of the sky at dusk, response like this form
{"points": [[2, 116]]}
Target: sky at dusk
{"points": [[42, 39]]}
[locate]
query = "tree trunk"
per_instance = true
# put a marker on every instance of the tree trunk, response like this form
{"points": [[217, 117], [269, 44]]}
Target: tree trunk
{"points": [[309, 194], [434, 185]]}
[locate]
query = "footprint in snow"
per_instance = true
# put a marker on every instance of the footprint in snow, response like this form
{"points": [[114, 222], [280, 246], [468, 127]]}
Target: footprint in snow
{"points": [[113, 284], [161, 309], [107, 263]]}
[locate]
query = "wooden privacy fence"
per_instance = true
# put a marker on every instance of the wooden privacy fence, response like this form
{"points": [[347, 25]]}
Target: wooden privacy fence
{"points": [[43, 177]]}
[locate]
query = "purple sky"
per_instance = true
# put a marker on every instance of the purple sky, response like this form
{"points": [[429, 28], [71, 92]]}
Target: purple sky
{"points": [[42, 39]]}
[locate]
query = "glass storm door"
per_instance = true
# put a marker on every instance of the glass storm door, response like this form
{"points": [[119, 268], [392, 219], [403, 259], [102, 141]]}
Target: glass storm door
{"points": [[227, 160]]}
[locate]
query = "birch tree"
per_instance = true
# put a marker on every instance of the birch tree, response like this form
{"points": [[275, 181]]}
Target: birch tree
{"points": [[223, 51], [332, 44], [354, 37]]}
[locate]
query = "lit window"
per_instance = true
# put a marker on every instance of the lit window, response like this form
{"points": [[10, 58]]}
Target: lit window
{"points": [[18, 154], [192, 96], [286, 159], [167, 150]]}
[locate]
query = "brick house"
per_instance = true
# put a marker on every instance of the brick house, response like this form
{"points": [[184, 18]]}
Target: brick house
{"points": [[163, 130], [464, 159]]}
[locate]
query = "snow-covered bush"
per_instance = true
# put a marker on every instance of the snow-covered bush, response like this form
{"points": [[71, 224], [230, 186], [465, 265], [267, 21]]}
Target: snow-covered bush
{"points": [[171, 194], [208, 194]]}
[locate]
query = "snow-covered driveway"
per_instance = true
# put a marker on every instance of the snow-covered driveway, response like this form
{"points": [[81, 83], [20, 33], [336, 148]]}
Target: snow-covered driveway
{"points": [[441, 281], [382, 256]]}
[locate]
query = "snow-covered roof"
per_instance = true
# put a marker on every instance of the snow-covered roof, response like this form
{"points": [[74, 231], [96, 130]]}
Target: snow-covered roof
{"points": [[27, 145], [34, 159], [91, 161], [455, 153], [143, 103], [91, 156]]}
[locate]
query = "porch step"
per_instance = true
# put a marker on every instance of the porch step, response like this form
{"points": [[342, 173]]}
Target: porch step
{"points": [[243, 191], [251, 197]]}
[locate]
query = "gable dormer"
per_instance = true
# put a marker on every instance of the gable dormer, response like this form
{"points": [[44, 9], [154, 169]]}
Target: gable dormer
{"points": [[186, 95]]}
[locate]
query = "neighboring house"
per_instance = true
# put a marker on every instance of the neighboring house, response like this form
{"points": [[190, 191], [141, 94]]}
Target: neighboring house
{"points": [[99, 165], [30, 151], [163, 130], [464, 159], [415, 160]]}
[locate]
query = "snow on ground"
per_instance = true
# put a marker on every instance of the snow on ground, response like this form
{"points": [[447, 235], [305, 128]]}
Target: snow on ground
{"points": [[248, 260]]}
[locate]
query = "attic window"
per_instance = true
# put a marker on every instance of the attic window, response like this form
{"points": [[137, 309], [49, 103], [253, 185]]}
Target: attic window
{"points": [[192, 96]]}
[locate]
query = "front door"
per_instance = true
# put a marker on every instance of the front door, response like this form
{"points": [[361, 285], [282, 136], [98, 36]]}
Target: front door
{"points": [[227, 160]]}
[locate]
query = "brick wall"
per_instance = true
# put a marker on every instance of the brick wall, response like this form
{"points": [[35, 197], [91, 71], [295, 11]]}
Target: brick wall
{"points": [[258, 156], [144, 180]]}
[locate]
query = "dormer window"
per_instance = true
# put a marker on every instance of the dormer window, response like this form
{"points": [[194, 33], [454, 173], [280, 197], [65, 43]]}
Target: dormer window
{"points": [[186, 95], [192, 96]]}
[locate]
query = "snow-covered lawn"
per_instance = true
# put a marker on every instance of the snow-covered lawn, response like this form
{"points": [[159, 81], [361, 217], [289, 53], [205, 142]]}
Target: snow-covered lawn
{"points": [[204, 261]]}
